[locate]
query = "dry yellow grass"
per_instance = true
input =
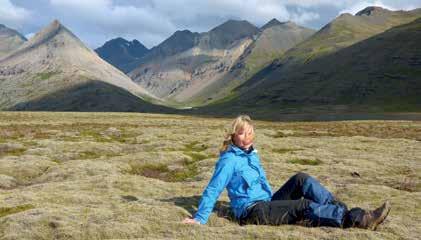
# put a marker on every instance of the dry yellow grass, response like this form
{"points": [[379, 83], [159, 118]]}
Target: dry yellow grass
{"points": [[115, 175]]}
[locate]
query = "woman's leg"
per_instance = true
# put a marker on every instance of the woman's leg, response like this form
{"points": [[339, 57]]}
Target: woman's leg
{"points": [[303, 198], [332, 215], [277, 212], [314, 214], [303, 185], [292, 211]]}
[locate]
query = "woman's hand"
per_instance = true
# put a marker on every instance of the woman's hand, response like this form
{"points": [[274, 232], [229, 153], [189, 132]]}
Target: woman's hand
{"points": [[190, 221]]}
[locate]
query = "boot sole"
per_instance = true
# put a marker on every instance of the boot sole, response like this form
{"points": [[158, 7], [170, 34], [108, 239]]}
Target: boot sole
{"points": [[385, 212]]}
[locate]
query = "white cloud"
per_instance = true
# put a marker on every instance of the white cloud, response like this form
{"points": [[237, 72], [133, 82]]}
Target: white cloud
{"points": [[103, 18], [11, 15], [315, 3], [158, 19], [29, 35], [152, 21], [105, 15], [304, 17], [355, 8]]}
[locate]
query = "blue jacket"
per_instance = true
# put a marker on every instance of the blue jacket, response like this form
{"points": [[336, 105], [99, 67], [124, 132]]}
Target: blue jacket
{"points": [[244, 178]]}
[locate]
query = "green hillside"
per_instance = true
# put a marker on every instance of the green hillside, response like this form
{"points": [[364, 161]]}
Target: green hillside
{"points": [[379, 74], [346, 30]]}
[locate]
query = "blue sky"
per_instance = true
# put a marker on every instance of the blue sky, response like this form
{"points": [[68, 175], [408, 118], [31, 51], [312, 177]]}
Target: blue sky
{"points": [[152, 21]]}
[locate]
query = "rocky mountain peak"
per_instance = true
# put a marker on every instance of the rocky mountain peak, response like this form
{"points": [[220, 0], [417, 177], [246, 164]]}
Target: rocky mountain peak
{"points": [[116, 40], [136, 42], [55, 36], [271, 23], [235, 25], [121, 42], [55, 28], [225, 34], [177, 42], [368, 11], [121, 53], [274, 22], [179, 36], [289, 24]]}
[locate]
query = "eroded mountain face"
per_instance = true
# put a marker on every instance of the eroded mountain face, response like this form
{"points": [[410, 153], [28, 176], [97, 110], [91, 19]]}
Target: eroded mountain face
{"points": [[201, 69], [53, 61]]}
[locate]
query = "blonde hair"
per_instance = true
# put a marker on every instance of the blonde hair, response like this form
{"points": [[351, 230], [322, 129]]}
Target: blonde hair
{"points": [[238, 123]]}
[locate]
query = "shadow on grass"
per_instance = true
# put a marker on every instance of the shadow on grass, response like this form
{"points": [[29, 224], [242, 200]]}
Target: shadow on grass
{"points": [[190, 203]]}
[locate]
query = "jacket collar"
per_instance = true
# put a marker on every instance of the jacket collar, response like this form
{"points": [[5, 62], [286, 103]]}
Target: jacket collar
{"points": [[239, 151]]}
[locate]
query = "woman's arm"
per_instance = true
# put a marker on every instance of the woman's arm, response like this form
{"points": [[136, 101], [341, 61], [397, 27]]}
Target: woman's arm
{"points": [[266, 183], [223, 172], [264, 179]]}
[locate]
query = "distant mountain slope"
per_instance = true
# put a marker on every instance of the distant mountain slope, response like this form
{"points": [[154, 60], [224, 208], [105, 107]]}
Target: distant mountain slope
{"points": [[10, 40], [209, 64], [187, 62], [224, 35], [382, 73], [122, 54], [340, 33], [56, 61], [273, 40], [179, 42], [346, 30]]}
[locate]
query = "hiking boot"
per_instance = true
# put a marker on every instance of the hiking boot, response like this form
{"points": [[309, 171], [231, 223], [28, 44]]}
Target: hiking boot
{"points": [[373, 218], [360, 218]]}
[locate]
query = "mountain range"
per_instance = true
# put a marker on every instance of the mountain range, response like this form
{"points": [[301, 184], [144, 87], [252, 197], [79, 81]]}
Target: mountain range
{"points": [[54, 70], [361, 72], [348, 29], [208, 65], [365, 62]]}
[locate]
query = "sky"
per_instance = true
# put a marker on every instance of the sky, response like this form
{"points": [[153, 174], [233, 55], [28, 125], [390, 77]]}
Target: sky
{"points": [[152, 21]]}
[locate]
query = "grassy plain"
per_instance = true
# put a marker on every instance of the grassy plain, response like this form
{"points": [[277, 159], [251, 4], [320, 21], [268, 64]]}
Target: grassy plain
{"points": [[130, 175]]}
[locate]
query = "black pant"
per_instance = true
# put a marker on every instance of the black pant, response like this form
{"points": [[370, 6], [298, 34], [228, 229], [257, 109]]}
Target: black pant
{"points": [[287, 205]]}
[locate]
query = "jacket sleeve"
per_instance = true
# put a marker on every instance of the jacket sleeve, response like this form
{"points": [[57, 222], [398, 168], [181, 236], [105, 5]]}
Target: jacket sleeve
{"points": [[264, 179], [223, 172], [266, 183]]}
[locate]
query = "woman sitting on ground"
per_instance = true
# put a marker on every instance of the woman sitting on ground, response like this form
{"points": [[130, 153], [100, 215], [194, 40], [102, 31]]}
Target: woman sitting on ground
{"points": [[301, 199]]}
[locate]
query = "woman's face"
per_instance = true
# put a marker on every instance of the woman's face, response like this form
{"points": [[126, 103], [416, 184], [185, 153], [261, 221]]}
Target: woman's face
{"points": [[243, 138]]}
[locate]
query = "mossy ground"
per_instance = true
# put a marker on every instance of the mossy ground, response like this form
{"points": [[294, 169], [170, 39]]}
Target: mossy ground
{"points": [[117, 175]]}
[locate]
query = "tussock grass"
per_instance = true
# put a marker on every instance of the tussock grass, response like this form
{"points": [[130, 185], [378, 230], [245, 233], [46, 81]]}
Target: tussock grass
{"points": [[89, 155], [11, 151], [194, 147], [162, 172], [305, 161], [195, 157], [130, 175], [4, 211], [279, 134], [159, 171], [285, 150]]}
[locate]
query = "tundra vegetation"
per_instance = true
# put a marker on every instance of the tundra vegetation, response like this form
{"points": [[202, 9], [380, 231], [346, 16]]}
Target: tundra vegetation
{"points": [[131, 175]]}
